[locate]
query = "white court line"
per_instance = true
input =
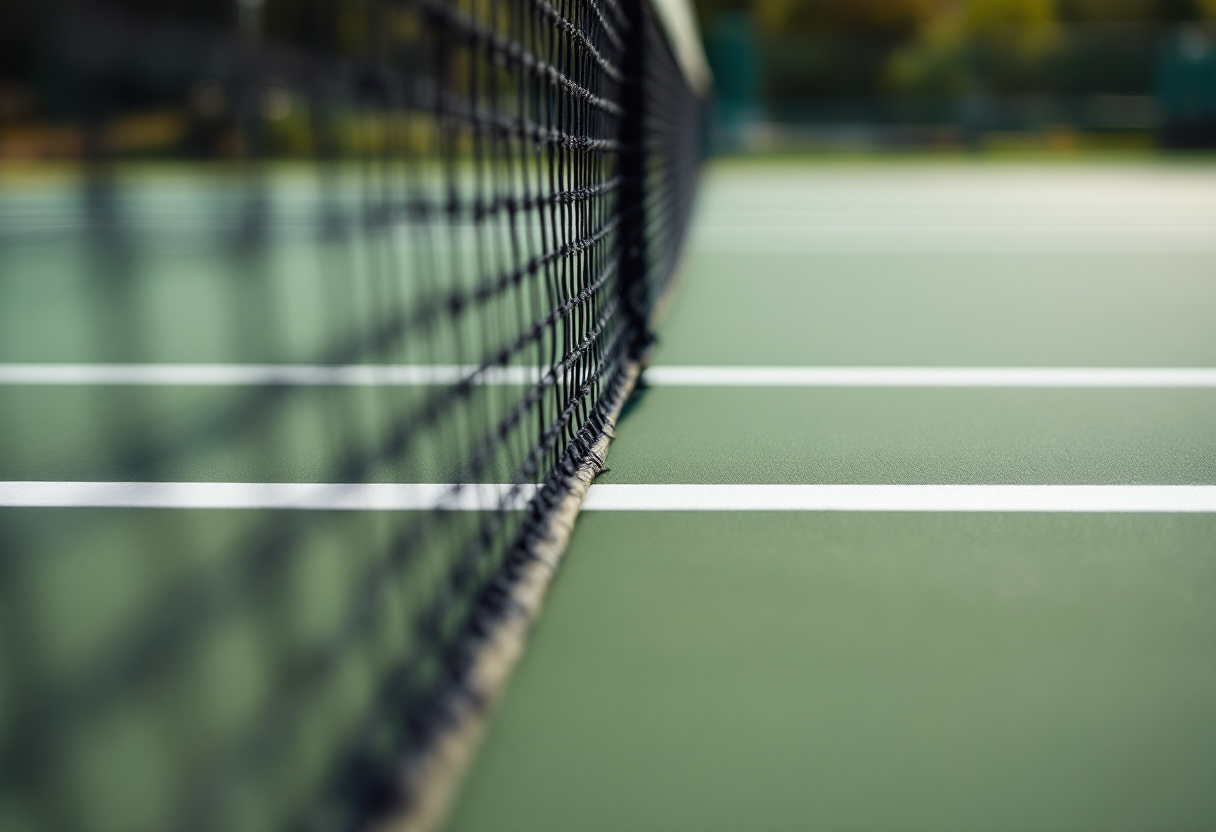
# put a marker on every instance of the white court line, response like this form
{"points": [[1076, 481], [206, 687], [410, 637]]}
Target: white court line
{"points": [[905, 498], [306, 375], [665, 376], [301, 375], [606, 497], [933, 239], [255, 495]]}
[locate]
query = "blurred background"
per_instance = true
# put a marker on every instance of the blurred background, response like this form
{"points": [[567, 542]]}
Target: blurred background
{"points": [[791, 75], [1012, 75]]}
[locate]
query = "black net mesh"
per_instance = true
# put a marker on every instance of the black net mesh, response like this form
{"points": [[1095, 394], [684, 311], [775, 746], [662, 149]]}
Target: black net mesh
{"points": [[361, 242]]}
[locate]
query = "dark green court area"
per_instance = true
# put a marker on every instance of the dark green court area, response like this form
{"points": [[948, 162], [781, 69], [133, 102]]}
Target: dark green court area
{"points": [[897, 672], [849, 672], [846, 672]]}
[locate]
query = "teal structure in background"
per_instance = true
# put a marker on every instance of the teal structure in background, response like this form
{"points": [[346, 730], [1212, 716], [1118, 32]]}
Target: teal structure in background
{"points": [[1186, 90], [733, 50]]}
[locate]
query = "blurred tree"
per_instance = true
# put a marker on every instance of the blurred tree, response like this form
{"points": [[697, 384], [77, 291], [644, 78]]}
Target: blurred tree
{"points": [[819, 50], [909, 18], [942, 59], [1027, 26], [1110, 10], [872, 18], [1028, 15]]}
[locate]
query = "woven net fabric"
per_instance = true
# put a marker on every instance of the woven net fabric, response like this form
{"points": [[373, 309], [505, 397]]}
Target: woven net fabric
{"points": [[367, 242]]}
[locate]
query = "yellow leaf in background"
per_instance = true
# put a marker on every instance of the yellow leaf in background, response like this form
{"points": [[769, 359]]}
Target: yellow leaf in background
{"points": [[1021, 14]]}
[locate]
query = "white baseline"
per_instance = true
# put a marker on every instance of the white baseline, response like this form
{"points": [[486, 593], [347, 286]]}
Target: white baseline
{"points": [[317, 375], [611, 497]]}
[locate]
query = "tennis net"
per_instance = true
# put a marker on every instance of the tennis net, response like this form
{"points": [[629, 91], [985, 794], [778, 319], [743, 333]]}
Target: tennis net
{"points": [[338, 245]]}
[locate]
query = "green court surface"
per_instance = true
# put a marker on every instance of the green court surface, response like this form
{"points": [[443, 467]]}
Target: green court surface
{"points": [[979, 672], [881, 671], [813, 671]]}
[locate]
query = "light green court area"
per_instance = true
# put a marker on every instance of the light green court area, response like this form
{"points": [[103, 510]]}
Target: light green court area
{"points": [[182, 433], [289, 266], [863, 308], [978, 672], [964, 437]]}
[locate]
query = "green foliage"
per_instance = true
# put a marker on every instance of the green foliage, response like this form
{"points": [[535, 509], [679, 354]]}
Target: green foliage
{"points": [[808, 49], [1115, 11], [882, 18], [909, 19], [1014, 35]]}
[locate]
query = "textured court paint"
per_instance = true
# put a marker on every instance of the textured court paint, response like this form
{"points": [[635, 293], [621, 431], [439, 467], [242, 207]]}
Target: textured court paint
{"points": [[668, 435], [978, 673], [1032, 437], [995, 209], [864, 672], [186, 311], [1061, 309], [128, 563], [223, 434], [1018, 307], [867, 309]]}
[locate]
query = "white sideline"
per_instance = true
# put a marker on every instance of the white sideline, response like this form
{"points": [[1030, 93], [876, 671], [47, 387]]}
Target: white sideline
{"points": [[610, 497], [669, 376], [312, 375]]}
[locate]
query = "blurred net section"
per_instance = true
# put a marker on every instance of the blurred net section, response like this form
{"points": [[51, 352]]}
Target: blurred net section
{"points": [[484, 197]]}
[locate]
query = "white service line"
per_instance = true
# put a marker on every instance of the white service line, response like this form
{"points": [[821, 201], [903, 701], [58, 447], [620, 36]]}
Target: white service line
{"points": [[669, 376], [300, 375], [610, 497], [311, 375], [262, 495], [949, 239]]}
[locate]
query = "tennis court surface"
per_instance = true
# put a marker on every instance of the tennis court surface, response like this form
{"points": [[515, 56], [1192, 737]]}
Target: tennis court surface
{"points": [[981, 394], [1015, 669], [316, 322]]}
